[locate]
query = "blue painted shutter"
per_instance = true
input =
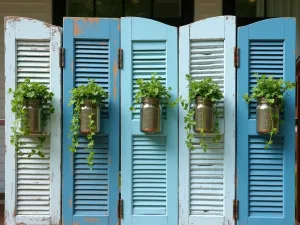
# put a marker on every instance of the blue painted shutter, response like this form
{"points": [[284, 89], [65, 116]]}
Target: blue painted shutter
{"points": [[149, 162], [266, 183], [90, 196]]}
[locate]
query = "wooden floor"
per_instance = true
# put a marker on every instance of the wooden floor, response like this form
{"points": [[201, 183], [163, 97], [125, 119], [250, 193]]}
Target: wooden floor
{"points": [[1, 214]]}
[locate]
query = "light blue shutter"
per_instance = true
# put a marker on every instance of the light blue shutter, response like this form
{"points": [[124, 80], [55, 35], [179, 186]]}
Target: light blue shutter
{"points": [[149, 162], [266, 183], [90, 196], [207, 187]]}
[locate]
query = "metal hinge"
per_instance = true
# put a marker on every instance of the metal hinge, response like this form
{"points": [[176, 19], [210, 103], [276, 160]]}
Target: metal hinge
{"points": [[120, 58], [236, 57], [235, 209], [62, 57], [120, 209]]}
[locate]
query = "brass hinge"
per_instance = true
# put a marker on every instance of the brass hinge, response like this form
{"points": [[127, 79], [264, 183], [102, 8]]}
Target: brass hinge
{"points": [[120, 58], [120, 209], [62, 57], [236, 57], [235, 209]]}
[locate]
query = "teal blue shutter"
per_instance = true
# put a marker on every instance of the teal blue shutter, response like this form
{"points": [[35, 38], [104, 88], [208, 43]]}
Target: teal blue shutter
{"points": [[266, 183], [90, 196], [149, 162]]}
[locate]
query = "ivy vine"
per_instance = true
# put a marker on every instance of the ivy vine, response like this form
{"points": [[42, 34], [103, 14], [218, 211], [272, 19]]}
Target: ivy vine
{"points": [[273, 91], [153, 89], [96, 95], [207, 90], [25, 92]]}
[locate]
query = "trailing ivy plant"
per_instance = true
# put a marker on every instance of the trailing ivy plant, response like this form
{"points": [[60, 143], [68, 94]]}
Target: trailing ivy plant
{"points": [[96, 94], [208, 90], [153, 89], [272, 90], [25, 92]]}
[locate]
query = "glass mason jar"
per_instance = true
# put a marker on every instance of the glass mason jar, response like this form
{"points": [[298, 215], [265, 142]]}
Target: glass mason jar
{"points": [[203, 116], [86, 109], [33, 108], [150, 115], [266, 115]]}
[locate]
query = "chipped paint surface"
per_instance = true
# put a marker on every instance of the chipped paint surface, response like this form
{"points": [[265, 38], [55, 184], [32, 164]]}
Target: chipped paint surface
{"points": [[81, 23], [91, 219]]}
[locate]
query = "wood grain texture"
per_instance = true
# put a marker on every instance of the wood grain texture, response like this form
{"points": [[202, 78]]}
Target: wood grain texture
{"points": [[206, 180], [266, 178], [24, 179]]}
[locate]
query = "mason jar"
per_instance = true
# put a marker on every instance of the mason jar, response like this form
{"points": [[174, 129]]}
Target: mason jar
{"points": [[203, 116], [33, 108], [266, 115], [150, 115], [86, 109]]}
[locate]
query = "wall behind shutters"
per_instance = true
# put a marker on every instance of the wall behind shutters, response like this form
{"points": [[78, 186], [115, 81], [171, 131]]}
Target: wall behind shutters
{"points": [[206, 180], [33, 184], [149, 162], [90, 196], [266, 184]]}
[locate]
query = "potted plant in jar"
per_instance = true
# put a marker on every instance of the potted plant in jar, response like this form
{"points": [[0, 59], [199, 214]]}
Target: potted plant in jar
{"points": [[152, 95], [87, 100], [32, 106], [269, 93], [202, 113]]}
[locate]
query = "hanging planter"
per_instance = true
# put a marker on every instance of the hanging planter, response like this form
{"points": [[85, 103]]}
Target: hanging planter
{"points": [[32, 106], [87, 100], [202, 113], [267, 116], [89, 112], [269, 94], [151, 112], [203, 116], [33, 111], [152, 95]]}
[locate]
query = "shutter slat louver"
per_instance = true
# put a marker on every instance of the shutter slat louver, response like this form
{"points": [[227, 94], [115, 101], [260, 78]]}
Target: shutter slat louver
{"points": [[266, 176], [33, 184], [206, 189], [91, 196]]}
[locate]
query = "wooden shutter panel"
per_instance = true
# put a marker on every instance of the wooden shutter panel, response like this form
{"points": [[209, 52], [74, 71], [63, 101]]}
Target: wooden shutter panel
{"points": [[206, 189], [91, 196], [33, 184], [266, 185], [149, 162]]}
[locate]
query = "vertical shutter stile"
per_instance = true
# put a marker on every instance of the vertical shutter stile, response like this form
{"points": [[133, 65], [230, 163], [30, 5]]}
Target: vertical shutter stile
{"points": [[149, 161], [206, 180], [266, 184], [33, 184], [91, 196]]}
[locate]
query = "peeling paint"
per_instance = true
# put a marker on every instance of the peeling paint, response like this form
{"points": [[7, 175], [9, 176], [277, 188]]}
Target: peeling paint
{"points": [[90, 219], [115, 70], [71, 203], [77, 29]]}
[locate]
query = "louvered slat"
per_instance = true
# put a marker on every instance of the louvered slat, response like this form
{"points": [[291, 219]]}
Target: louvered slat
{"points": [[91, 186], [148, 59], [33, 183], [265, 178], [149, 175], [266, 58], [206, 169], [92, 61], [33, 180]]}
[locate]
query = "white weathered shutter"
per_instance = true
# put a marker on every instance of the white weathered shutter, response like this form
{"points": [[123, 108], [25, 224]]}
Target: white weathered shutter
{"points": [[206, 180], [33, 184]]}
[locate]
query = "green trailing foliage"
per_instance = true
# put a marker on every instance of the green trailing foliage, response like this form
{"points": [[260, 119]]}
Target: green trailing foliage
{"points": [[153, 89], [25, 92], [96, 95], [273, 91], [208, 90]]}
